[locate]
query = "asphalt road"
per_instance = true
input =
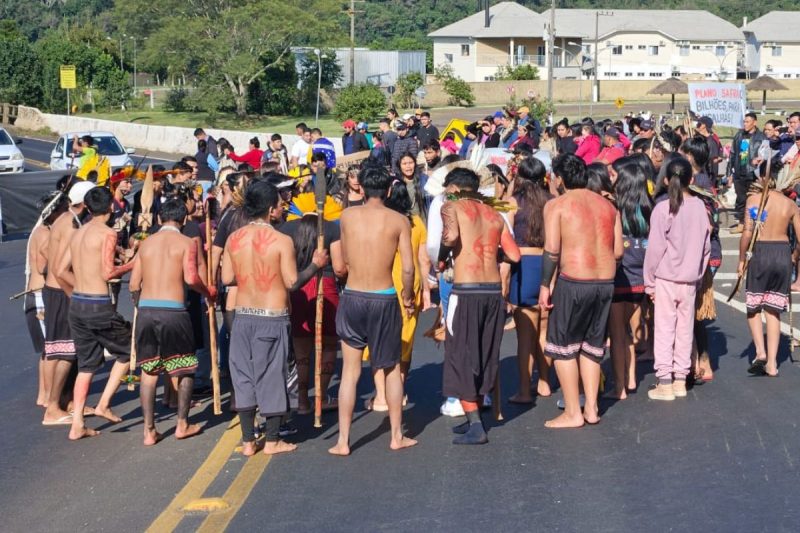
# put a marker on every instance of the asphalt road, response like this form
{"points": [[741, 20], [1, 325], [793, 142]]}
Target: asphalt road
{"points": [[724, 459], [37, 155]]}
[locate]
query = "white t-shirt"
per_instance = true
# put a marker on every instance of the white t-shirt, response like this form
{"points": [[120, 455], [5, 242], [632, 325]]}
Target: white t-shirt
{"points": [[300, 151]]}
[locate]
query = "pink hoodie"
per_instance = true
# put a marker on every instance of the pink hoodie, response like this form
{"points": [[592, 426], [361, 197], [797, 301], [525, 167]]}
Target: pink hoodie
{"points": [[589, 148], [678, 246]]}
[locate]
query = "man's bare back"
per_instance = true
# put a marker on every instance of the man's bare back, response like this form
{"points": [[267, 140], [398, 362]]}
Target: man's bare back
{"points": [[476, 231], [60, 235], [780, 212], [371, 234], [586, 230], [91, 252], [261, 261], [37, 257], [166, 260]]}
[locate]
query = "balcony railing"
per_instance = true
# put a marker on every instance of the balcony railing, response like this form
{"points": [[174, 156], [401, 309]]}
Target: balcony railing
{"points": [[495, 60]]}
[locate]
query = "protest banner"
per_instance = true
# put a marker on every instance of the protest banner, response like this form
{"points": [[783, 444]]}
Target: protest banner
{"points": [[725, 103]]}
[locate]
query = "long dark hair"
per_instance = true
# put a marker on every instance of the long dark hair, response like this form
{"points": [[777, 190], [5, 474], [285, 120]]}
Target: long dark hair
{"points": [[633, 201], [398, 199], [679, 173], [533, 192], [598, 180], [305, 240]]}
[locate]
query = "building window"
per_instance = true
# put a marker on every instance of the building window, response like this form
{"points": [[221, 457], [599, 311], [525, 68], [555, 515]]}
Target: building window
{"points": [[684, 50], [640, 74], [448, 58], [642, 47], [695, 47], [629, 74], [652, 50], [628, 47], [787, 75], [676, 73], [777, 51], [587, 48], [464, 50], [612, 74], [719, 50], [616, 50], [655, 75]]}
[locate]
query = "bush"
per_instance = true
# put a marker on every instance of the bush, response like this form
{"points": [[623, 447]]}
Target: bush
{"points": [[520, 72], [406, 85], [360, 102], [176, 100], [459, 91], [540, 108]]}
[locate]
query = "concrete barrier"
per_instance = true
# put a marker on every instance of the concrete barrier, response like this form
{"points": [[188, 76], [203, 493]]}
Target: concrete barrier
{"points": [[169, 139]]}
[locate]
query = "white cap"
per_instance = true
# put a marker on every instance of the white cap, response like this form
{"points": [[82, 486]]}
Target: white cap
{"points": [[408, 116], [78, 192]]}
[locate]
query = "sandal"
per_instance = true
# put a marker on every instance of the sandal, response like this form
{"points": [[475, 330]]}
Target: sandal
{"points": [[758, 367]]}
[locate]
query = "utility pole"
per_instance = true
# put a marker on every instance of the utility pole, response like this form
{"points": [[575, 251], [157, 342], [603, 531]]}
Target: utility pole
{"points": [[352, 14], [596, 84], [551, 43]]}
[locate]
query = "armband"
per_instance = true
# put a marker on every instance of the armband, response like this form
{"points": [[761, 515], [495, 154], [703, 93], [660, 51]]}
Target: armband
{"points": [[550, 262]]}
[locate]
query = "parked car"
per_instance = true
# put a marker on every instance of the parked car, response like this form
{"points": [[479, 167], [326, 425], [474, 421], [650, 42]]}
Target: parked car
{"points": [[11, 159], [63, 158]]}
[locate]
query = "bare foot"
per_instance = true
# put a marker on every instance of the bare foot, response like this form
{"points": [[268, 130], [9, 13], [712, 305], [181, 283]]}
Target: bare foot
{"points": [[521, 399], [620, 394], [543, 389], [632, 385], [251, 448], [591, 416], [795, 286], [81, 433], [41, 401], [565, 421], [107, 414], [404, 442], [771, 371], [55, 416], [152, 437], [190, 431], [274, 448], [340, 449]]}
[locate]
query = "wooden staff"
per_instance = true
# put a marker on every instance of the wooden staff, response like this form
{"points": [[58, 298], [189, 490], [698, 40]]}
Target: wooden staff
{"points": [[320, 191], [131, 379], [496, 407], [212, 316]]}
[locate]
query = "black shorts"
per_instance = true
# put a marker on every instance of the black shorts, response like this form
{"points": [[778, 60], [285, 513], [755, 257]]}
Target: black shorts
{"points": [[474, 329], [34, 319], [259, 362], [769, 276], [579, 318], [165, 341], [370, 319], [96, 325], [58, 343]]}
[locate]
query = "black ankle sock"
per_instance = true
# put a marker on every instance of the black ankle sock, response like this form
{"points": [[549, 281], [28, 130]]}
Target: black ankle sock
{"points": [[475, 435]]}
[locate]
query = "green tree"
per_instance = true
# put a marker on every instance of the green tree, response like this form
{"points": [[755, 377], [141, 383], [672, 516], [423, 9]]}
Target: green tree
{"points": [[459, 91], [360, 102], [520, 72], [20, 71], [406, 85], [232, 44]]}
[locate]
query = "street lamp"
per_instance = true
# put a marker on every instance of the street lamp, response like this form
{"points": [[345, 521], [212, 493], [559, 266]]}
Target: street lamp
{"points": [[319, 55], [120, 50], [596, 85], [580, 73]]}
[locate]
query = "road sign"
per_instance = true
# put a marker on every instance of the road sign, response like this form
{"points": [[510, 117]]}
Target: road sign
{"points": [[67, 77], [421, 92], [619, 102]]}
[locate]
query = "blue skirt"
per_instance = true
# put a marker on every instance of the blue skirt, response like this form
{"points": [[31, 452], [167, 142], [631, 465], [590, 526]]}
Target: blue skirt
{"points": [[526, 277]]}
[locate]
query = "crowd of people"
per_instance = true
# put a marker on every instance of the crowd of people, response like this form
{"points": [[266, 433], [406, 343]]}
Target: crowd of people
{"points": [[592, 238]]}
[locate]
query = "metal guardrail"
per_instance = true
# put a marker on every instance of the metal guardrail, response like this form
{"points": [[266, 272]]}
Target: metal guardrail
{"points": [[8, 114], [491, 60]]}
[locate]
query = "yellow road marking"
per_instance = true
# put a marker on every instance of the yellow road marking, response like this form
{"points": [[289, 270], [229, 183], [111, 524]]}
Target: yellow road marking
{"points": [[36, 163], [206, 505], [236, 494], [202, 479]]}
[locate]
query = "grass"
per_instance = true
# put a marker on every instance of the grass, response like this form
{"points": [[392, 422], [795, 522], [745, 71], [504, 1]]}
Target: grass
{"points": [[285, 125]]}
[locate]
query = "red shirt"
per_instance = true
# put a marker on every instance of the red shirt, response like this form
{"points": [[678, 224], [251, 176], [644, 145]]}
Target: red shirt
{"points": [[252, 158]]}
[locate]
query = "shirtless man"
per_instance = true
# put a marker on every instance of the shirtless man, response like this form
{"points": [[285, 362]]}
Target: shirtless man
{"points": [[769, 272], [583, 240], [84, 271], [59, 347], [369, 312], [35, 270], [261, 262], [476, 310], [165, 341]]}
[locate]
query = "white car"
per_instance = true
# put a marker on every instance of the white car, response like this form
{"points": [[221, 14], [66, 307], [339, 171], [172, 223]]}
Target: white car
{"points": [[63, 158], [11, 159]]}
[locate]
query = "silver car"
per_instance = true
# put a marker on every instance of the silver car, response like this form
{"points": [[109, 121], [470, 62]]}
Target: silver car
{"points": [[63, 157], [11, 159]]}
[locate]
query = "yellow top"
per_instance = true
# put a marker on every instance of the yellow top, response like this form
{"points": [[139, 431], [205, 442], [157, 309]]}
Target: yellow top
{"points": [[419, 235]]}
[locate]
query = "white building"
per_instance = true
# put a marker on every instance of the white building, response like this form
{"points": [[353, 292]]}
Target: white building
{"points": [[631, 44], [773, 45]]}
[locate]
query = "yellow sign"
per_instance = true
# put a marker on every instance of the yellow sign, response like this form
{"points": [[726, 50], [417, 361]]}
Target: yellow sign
{"points": [[619, 102], [68, 78]]}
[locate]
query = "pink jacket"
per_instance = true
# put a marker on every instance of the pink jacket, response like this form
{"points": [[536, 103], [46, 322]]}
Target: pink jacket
{"points": [[589, 148], [678, 246]]}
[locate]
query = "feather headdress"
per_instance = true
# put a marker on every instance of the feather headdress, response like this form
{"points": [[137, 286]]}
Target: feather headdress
{"points": [[304, 204]]}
